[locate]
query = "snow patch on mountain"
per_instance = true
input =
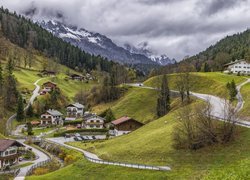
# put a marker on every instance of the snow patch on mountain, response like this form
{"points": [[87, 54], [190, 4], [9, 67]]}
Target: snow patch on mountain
{"points": [[144, 48]]}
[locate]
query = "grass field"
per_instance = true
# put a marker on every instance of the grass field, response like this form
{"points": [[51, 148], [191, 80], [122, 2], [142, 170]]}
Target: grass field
{"points": [[83, 169], [136, 103], [152, 144], [210, 83], [245, 113]]}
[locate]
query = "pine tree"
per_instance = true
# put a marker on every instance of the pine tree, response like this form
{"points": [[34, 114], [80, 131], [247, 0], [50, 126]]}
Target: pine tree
{"points": [[10, 90], [1, 80], [29, 129], [20, 110], [163, 101], [30, 111], [232, 90], [109, 116]]}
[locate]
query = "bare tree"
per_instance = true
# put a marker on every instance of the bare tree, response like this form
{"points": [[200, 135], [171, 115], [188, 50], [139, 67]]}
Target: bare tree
{"points": [[198, 127]]}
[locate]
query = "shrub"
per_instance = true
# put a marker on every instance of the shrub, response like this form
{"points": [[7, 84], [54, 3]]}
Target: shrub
{"points": [[40, 171], [79, 131], [69, 159]]}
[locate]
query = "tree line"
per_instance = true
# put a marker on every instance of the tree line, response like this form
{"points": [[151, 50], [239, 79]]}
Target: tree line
{"points": [[29, 35]]}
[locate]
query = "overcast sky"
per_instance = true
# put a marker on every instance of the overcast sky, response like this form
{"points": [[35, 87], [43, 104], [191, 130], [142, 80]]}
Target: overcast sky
{"points": [[174, 27]]}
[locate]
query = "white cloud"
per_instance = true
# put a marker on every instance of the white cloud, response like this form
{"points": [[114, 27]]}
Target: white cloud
{"points": [[177, 27]]}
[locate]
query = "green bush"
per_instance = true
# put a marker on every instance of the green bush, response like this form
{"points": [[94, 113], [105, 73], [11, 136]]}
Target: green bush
{"points": [[72, 122], [79, 131]]}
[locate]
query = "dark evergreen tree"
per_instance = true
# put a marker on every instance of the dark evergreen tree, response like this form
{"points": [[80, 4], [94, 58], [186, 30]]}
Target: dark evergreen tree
{"points": [[20, 109], [109, 116], [232, 90], [9, 89], [29, 129], [1, 80], [206, 67], [163, 101], [30, 111]]}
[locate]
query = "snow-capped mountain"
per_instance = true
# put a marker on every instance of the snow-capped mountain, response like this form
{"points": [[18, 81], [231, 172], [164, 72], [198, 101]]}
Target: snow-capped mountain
{"points": [[94, 43], [91, 42], [144, 49]]}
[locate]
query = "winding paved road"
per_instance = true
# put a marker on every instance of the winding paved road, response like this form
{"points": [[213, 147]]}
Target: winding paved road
{"points": [[33, 97], [218, 104], [41, 156]]}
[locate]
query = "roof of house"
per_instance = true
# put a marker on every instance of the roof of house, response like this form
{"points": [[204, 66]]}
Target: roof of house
{"points": [[54, 112], [49, 82], [76, 75], [78, 105], [45, 71], [234, 62], [35, 122], [6, 143], [122, 120]]}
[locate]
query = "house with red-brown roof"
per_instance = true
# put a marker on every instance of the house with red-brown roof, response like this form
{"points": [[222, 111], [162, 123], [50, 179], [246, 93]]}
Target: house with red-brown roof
{"points": [[9, 152], [125, 125]]}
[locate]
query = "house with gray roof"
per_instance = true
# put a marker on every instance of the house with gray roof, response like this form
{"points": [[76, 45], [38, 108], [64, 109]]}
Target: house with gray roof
{"points": [[74, 111], [52, 117]]}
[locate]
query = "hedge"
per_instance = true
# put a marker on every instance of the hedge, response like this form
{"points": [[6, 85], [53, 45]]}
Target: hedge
{"points": [[72, 122], [81, 130]]}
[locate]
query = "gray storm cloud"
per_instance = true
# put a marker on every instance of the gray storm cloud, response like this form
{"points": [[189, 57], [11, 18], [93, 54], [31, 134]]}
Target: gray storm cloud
{"points": [[174, 27]]}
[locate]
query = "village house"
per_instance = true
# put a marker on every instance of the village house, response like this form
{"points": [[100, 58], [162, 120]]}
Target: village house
{"points": [[9, 152], [74, 111], [47, 87], [238, 66], [93, 122], [125, 125], [52, 117], [48, 73], [76, 77]]}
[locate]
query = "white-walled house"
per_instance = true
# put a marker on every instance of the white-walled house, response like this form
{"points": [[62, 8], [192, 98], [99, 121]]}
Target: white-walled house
{"points": [[53, 117], [74, 111], [93, 122], [238, 66], [9, 152]]}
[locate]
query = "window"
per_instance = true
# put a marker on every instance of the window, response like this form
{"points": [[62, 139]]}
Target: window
{"points": [[6, 153], [236, 66], [12, 151], [97, 121], [239, 66]]}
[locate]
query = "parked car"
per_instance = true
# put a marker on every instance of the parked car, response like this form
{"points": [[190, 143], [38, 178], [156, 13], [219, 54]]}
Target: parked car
{"points": [[76, 139], [93, 137], [77, 134], [90, 138]]}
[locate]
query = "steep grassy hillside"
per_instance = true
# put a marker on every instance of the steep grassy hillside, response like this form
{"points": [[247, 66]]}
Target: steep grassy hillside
{"points": [[245, 113], [152, 144], [137, 103], [211, 83], [83, 169]]}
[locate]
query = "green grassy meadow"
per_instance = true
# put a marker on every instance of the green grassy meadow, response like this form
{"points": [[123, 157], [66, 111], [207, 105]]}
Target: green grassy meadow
{"points": [[213, 83]]}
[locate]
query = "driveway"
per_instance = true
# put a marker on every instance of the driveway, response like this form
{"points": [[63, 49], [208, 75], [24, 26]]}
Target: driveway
{"points": [[41, 157]]}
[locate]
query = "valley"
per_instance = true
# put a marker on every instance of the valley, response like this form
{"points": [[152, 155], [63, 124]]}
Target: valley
{"points": [[76, 105]]}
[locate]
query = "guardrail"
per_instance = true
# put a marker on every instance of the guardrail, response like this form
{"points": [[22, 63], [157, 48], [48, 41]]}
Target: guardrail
{"points": [[237, 122], [13, 171], [100, 161], [137, 166], [40, 164]]}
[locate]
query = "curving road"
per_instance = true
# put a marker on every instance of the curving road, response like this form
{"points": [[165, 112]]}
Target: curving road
{"points": [[41, 156], [217, 103], [33, 97]]}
